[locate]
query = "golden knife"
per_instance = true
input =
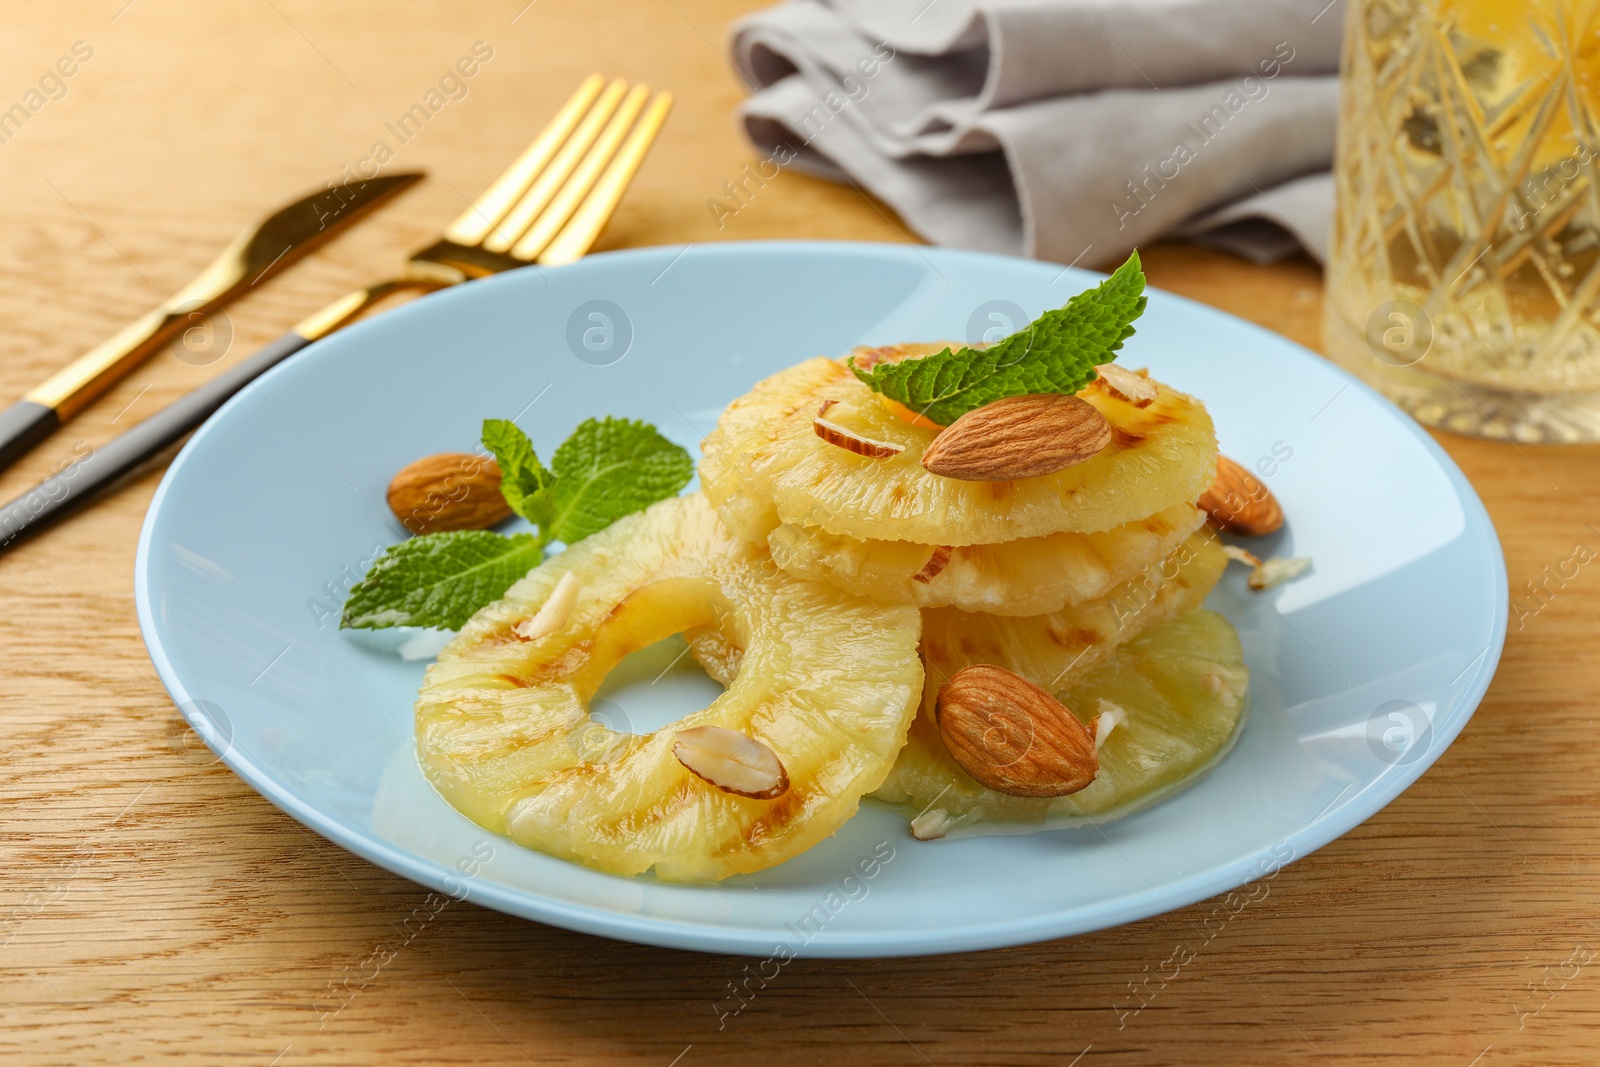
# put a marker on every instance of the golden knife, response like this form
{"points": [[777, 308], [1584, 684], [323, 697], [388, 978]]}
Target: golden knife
{"points": [[257, 254]]}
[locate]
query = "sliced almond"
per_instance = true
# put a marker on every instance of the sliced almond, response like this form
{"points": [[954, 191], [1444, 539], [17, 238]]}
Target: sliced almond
{"points": [[733, 762], [1111, 716], [931, 825], [851, 441], [1013, 736], [1276, 571], [935, 565], [822, 408], [555, 612], [1239, 503], [1019, 437], [1124, 384], [1241, 555]]}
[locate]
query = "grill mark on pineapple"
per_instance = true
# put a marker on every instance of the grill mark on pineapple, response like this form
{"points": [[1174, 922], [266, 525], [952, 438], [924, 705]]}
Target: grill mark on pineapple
{"points": [[777, 817], [501, 636], [1121, 437], [562, 667]]}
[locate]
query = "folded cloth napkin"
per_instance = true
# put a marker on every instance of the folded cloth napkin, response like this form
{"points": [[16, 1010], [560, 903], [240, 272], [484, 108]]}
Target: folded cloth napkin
{"points": [[1068, 130]]}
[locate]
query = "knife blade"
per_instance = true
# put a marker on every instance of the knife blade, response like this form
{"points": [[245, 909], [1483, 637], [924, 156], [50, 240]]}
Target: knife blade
{"points": [[261, 251]]}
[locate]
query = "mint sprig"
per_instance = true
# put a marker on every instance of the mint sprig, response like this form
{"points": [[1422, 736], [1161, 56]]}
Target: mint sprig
{"points": [[607, 469], [1056, 353]]}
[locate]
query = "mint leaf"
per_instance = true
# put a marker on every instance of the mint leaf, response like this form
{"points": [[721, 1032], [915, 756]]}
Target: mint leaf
{"points": [[1057, 353], [524, 481], [439, 579], [609, 468]]}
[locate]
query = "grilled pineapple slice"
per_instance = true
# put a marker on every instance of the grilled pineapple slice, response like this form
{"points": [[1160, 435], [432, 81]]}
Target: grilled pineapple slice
{"points": [[1057, 649], [1183, 686], [764, 465], [1028, 576], [826, 680]]}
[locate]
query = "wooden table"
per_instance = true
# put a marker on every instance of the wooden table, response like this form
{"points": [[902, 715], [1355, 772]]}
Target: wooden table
{"points": [[156, 910]]}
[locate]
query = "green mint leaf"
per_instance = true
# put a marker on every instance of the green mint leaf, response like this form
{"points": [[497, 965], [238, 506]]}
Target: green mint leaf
{"points": [[1057, 353], [439, 579], [609, 468], [524, 481]]}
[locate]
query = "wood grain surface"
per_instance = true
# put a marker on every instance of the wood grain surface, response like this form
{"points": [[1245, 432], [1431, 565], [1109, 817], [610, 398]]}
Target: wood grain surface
{"points": [[153, 909]]}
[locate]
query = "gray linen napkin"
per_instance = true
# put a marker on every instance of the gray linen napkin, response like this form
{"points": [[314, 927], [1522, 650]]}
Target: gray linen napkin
{"points": [[1069, 130]]}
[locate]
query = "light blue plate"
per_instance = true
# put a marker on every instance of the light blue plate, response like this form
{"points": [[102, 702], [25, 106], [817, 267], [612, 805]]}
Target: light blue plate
{"points": [[1363, 670]]}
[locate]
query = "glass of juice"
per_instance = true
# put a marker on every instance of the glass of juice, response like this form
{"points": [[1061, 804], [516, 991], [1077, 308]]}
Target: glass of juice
{"points": [[1464, 266]]}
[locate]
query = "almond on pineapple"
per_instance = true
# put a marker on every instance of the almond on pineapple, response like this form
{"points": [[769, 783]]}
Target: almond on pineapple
{"points": [[1013, 736], [449, 491], [1019, 437], [554, 613], [1124, 384], [734, 762], [850, 441], [935, 565]]}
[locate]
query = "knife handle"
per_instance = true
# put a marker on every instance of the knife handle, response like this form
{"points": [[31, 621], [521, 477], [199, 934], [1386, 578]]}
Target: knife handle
{"points": [[31, 419], [87, 479], [23, 425], [70, 389]]}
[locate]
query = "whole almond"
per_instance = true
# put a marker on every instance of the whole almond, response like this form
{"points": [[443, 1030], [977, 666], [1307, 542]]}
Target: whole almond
{"points": [[1019, 437], [450, 491], [1013, 736], [1238, 502], [732, 761]]}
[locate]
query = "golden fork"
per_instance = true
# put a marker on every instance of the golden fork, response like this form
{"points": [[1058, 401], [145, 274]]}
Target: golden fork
{"points": [[548, 207]]}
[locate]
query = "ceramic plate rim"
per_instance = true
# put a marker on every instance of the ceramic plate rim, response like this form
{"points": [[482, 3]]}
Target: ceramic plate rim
{"points": [[707, 937]]}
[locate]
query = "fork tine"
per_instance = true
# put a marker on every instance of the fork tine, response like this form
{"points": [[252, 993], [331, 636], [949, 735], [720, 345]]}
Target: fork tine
{"points": [[474, 224], [549, 183], [555, 216], [591, 218]]}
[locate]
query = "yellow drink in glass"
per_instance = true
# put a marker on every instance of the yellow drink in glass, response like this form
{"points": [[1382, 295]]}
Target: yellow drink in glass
{"points": [[1464, 273]]}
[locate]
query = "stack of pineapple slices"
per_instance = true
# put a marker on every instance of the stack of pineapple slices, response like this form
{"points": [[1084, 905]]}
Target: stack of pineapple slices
{"points": [[1084, 581], [896, 609]]}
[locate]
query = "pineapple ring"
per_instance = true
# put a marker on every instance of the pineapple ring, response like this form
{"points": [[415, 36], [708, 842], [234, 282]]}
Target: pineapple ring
{"points": [[826, 680], [1184, 689], [1056, 650], [764, 465], [1028, 576]]}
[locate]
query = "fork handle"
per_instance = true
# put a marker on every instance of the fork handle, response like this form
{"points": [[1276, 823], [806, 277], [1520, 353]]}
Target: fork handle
{"points": [[73, 487]]}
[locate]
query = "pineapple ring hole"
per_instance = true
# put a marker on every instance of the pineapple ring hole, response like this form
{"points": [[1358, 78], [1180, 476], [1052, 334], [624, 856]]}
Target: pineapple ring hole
{"points": [[652, 688], [640, 678]]}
